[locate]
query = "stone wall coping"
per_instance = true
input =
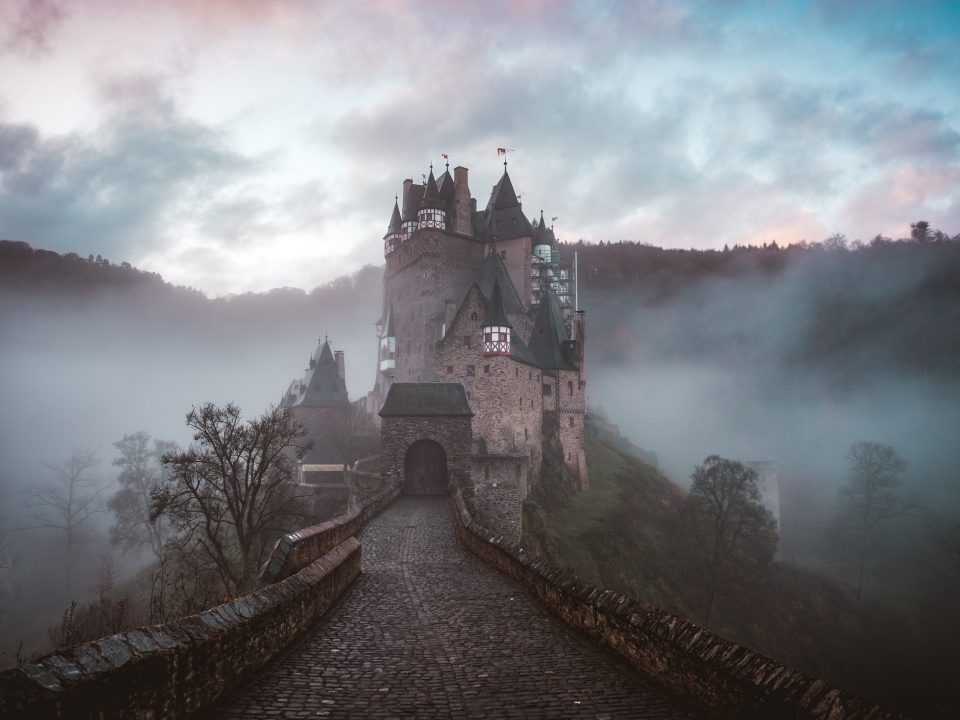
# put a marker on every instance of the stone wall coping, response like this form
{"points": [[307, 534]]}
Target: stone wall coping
{"points": [[501, 456], [298, 549], [179, 668], [687, 659]]}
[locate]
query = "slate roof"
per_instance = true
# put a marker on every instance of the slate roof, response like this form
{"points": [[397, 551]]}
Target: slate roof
{"points": [[426, 400], [543, 235], [496, 316], [431, 195], [491, 271], [324, 388], [504, 217], [549, 335], [394, 226], [413, 200], [445, 188]]}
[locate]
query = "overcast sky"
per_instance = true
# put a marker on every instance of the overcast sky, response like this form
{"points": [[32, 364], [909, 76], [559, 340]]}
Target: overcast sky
{"points": [[243, 145]]}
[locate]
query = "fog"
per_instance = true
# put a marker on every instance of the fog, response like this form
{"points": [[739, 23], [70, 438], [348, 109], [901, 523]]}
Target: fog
{"points": [[791, 365], [81, 370]]}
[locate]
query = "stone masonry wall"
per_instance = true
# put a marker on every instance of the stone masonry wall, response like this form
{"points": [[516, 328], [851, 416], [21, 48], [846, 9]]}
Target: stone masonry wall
{"points": [[430, 268], [504, 394], [498, 486], [179, 669], [453, 434], [295, 551], [723, 677], [571, 411]]}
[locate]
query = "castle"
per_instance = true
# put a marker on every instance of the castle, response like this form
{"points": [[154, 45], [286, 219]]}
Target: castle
{"points": [[481, 366]]}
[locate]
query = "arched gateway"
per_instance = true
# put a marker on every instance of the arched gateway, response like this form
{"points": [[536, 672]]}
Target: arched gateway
{"points": [[425, 435], [425, 469]]}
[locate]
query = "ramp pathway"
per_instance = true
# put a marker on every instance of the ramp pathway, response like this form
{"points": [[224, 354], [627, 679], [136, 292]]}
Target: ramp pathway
{"points": [[429, 631]]}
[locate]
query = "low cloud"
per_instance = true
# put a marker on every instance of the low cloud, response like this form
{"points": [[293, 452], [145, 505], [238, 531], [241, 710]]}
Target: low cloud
{"points": [[30, 26]]}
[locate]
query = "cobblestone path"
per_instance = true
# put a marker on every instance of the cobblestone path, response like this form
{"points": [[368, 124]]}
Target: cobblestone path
{"points": [[429, 631]]}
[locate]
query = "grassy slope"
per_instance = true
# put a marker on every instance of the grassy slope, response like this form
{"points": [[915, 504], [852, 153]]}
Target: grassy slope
{"points": [[617, 535]]}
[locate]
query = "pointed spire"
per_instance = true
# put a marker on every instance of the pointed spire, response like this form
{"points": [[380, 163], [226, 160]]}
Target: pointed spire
{"points": [[395, 222], [504, 196], [496, 315], [431, 195]]}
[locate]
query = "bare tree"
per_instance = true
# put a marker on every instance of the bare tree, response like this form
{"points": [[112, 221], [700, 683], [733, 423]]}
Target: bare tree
{"points": [[231, 493], [870, 498], [140, 473], [729, 537], [345, 430], [68, 501]]}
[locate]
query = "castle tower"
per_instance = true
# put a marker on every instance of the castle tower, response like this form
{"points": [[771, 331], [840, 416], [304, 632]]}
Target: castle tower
{"points": [[496, 329], [431, 213], [391, 241], [543, 241]]}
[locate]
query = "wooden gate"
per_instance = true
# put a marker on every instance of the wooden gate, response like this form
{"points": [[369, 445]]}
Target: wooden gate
{"points": [[425, 469]]}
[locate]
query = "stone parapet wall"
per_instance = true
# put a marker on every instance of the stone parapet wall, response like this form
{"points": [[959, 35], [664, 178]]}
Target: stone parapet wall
{"points": [[181, 668], [297, 550], [498, 486], [726, 678]]}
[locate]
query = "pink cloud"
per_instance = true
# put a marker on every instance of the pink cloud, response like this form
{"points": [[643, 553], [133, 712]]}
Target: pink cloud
{"points": [[897, 198]]}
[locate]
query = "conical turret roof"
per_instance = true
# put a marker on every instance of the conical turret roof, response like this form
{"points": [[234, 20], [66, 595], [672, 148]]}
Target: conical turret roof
{"points": [[492, 271], [543, 235], [503, 195], [549, 335], [324, 386], [431, 195], [496, 315], [395, 222], [504, 216]]}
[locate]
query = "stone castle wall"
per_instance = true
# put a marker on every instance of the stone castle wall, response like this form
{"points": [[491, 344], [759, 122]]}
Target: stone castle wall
{"points": [[430, 268], [504, 393], [453, 434]]}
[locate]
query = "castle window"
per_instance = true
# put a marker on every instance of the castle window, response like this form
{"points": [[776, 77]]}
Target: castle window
{"points": [[473, 316], [570, 387], [531, 402], [547, 390], [466, 341], [449, 369], [486, 369], [526, 433], [471, 370], [517, 372], [521, 402], [572, 423]]}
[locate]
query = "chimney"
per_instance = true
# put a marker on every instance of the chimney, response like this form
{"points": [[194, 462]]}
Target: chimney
{"points": [[463, 207], [404, 211], [338, 361]]}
